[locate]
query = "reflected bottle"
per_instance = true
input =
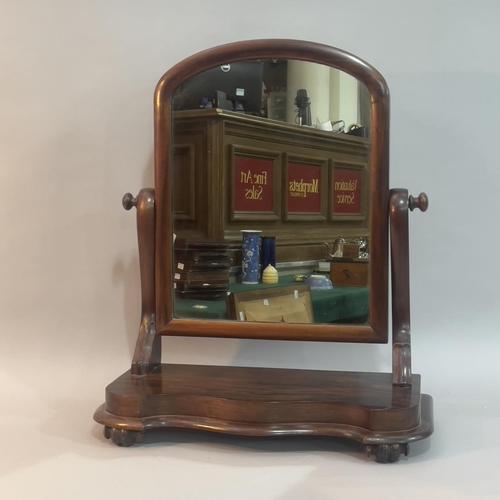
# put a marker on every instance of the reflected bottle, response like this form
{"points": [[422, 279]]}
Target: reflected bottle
{"points": [[250, 257], [268, 252]]}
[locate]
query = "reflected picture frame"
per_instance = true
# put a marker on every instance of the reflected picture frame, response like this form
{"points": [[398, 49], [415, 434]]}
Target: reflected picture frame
{"points": [[279, 299]]}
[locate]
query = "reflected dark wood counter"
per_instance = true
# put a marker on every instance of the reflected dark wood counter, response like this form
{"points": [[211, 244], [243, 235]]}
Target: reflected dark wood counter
{"points": [[215, 154]]}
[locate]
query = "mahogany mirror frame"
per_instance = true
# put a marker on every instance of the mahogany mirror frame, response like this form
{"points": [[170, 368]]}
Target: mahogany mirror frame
{"points": [[376, 330]]}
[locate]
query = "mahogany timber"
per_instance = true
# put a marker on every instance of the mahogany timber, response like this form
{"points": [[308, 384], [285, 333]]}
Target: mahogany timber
{"points": [[377, 328], [266, 401], [147, 354], [399, 203], [384, 411]]}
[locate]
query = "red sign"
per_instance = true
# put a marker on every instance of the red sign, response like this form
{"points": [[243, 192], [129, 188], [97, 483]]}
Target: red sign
{"points": [[253, 184], [303, 188], [346, 191]]}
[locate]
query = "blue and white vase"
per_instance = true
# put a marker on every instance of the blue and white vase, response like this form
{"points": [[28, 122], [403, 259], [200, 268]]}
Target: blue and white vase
{"points": [[250, 257]]}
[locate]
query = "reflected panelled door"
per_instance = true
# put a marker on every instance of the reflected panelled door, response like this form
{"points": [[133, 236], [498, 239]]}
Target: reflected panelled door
{"points": [[293, 147]]}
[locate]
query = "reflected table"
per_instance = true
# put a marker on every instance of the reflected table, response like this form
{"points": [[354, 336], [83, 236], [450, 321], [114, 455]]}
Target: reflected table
{"points": [[342, 304]]}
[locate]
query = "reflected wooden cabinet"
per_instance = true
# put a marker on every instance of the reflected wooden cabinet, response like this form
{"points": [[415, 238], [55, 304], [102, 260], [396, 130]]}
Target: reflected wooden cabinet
{"points": [[218, 172], [236, 171]]}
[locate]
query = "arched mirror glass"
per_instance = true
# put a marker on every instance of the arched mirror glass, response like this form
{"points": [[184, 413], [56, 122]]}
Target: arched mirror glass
{"points": [[271, 194]]}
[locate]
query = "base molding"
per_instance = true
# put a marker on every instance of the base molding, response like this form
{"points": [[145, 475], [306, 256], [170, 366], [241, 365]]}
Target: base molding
{"points": [[365, 407]]}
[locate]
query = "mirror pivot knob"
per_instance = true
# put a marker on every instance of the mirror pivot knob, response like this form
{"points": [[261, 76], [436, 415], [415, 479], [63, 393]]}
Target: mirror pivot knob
{"points": [[422, 202], [128, 201]]}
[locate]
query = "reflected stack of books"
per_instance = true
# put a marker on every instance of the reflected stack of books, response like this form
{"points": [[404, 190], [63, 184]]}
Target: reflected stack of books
{"points": [[201, 269]]}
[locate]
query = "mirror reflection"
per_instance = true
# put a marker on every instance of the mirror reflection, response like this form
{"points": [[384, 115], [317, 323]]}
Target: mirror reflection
{"points": [[271, 185]]}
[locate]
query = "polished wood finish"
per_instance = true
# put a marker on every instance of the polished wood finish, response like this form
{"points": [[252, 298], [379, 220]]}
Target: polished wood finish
{"points": [[366, 407], [384, 411], [386, 446], [399, 203], [377, 328], [268, 395], [421, 202], [147, 354]]}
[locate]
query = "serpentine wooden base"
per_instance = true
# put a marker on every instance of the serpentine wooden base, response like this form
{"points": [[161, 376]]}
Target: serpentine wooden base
{"points": [[365, 407]]}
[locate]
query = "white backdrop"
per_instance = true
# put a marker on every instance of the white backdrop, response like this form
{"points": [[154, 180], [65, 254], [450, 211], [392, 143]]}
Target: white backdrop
{"points": [[76, 88]]}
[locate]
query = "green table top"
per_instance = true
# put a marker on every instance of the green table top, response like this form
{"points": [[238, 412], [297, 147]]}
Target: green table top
{"points": [[342, 303]]}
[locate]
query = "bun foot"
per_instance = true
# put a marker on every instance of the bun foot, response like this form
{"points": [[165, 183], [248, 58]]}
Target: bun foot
{"points": [[388, 453], [122, 437]]}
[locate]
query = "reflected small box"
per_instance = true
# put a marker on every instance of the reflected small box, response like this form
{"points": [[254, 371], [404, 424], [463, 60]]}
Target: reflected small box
{"points": [[347, 272]]}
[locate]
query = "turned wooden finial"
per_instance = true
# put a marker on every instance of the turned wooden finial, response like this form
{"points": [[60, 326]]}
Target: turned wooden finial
{"points": [[128, 201], [422, 202]]}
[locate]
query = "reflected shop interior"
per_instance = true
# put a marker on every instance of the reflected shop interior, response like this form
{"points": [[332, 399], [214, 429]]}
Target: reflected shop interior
{"points": [[271, 184]]}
